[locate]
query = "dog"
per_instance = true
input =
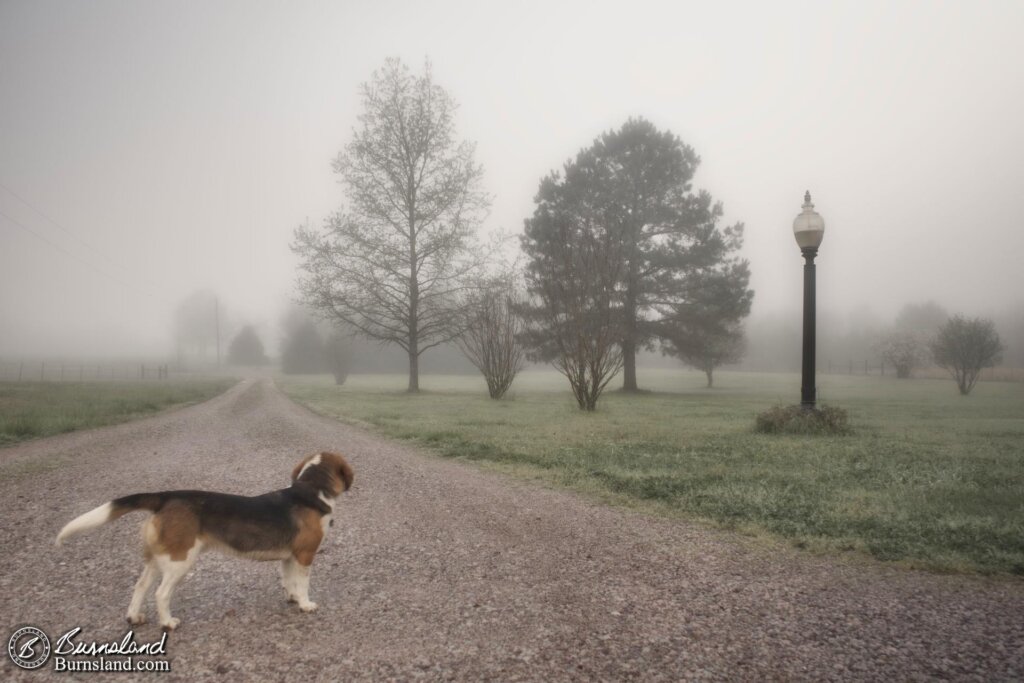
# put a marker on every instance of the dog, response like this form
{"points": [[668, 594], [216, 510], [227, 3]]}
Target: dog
{"points": [[286, 525]]}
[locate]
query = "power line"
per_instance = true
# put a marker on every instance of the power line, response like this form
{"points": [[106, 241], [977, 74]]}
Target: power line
{"points": [[110, 261], [68, 253]]}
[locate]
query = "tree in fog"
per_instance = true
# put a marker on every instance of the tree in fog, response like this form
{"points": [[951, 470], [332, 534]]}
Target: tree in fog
{"points": [[492, 331], [904, 350], [965, 346], [338, 355], [707, 347], [302, 349], [1010, 324], [246, 348], [574, 317], [666, 232], [197, 320], [702, 325], [393, 267], [924, 319]]}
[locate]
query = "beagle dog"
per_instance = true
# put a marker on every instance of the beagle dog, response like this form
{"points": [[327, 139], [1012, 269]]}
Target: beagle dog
{"points": [[286, 525]]}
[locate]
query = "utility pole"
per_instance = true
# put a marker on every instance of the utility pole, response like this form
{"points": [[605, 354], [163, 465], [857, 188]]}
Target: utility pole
{"points": [[216, 318]]}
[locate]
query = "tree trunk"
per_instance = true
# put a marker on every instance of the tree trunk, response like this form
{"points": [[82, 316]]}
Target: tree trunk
{"points": [[708, 371], [629, 343], [414, 372], [629, 365], [414, 309]]}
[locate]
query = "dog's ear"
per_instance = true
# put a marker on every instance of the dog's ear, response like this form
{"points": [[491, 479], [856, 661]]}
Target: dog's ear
{"points": [[298, 468], [345, 472]]}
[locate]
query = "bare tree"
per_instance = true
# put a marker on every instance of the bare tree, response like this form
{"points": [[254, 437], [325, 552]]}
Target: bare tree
{"points": [[964, 347], [394, 266], [574, 321], [904, 350], [492, 333]]}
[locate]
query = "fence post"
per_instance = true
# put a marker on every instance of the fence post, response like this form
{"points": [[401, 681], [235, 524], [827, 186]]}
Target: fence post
{"points": [[61, 372], [42, 371], [21, 369], [142, 371]]}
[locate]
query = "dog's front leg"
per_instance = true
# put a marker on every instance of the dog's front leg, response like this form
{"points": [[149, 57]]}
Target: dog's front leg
{"points": [[288, 576], [301, 578]]}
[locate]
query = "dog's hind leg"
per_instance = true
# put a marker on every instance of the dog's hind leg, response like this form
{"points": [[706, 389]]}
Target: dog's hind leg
{"points": [[173, 572], [135, 614]]}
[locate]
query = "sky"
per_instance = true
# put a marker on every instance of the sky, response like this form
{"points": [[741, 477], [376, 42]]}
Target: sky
{"points": [[151, 149]]}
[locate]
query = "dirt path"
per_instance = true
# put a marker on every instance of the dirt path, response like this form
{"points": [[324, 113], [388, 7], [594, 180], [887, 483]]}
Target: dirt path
{"points": [[436, 570]]}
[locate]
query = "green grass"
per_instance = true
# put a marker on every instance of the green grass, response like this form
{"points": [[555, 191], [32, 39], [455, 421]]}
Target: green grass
{"points": [[32, 410], [927, 477]]}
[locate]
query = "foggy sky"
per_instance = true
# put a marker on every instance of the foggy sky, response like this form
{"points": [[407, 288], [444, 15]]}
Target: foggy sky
{"points": [[178, 145]]}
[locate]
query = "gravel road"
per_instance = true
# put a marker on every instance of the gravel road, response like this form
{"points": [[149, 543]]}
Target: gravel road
{"points": [[435, 570]]}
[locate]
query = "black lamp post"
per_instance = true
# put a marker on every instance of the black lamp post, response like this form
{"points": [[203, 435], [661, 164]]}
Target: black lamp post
{"points": [[808, 228]]}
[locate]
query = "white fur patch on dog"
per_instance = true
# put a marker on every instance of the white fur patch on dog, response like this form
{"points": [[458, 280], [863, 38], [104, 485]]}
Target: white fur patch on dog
{"points": [[90, 520], [315, 460]]}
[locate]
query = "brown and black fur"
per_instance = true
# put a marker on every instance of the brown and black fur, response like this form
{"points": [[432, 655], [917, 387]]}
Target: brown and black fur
{"points": [[286, 525]]}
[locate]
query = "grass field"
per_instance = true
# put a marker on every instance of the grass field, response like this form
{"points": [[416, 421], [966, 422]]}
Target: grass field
{"points": [[928, 478], [32, 410]]}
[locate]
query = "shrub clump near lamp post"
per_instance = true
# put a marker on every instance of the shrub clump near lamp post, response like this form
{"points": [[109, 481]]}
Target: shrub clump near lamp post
{"points": [[808, 229]]}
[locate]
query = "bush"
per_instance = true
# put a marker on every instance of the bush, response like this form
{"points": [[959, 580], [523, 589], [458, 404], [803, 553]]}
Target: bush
{"points": [[964, 347], [795, 420]]}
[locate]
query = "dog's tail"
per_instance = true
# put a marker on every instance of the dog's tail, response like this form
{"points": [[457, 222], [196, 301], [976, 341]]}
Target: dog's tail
{"points": [[108, 512]]}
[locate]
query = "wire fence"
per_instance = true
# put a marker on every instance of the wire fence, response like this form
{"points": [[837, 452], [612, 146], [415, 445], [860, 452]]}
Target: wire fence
{"points": [[851, 367], [51, 371], [881, 369]]}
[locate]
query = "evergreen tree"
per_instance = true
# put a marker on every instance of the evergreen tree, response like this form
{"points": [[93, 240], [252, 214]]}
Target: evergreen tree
{"points": [[246, 348]]}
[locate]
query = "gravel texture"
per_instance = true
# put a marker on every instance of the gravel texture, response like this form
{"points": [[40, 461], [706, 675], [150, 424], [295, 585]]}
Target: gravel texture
{"points": [[435, 570]]}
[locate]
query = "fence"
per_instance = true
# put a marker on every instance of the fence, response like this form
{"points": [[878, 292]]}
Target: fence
{"points": [[852, 367], [49, 371], [880, 369]]}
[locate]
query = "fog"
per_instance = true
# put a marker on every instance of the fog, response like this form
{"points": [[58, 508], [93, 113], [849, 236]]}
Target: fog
{"points": [[151, 150]]}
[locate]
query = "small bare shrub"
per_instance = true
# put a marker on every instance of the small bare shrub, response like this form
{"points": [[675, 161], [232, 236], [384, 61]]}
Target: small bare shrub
{"points": [[796, 420], [491, 340], [964, 346]]}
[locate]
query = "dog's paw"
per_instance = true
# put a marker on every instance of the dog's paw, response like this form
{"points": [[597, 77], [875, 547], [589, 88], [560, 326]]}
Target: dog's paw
{"points": [[171, 624], [292, 598], [307, 607], [136, 619]]}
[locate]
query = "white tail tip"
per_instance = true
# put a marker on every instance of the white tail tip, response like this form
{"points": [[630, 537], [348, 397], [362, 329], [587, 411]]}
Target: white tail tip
{"points": [[90, 520]]}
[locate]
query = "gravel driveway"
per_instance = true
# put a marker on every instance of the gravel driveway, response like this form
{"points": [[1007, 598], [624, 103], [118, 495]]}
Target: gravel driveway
{"points": [[435, 570]]}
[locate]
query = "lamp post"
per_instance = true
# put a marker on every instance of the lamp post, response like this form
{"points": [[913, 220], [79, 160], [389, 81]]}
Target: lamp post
{"points": [[808, 228]]}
